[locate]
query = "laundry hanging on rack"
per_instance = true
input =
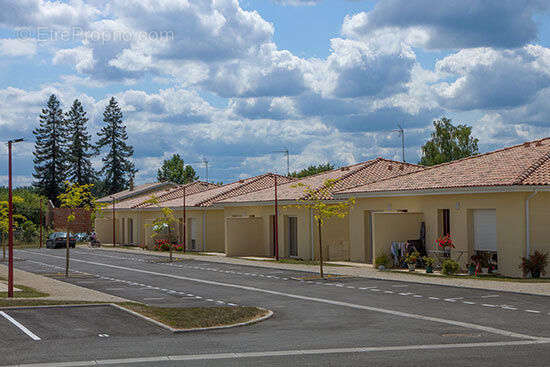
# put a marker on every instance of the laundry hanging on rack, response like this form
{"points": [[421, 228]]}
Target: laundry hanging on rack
{"points": [[399, 252]]}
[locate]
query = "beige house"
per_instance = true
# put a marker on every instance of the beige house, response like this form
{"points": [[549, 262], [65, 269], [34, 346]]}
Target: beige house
{"points": [[249, 218], [204, 228], [496, 203]]}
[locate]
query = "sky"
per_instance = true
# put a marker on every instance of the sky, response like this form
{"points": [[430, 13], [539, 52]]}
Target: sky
{"points": [[233, 82]]}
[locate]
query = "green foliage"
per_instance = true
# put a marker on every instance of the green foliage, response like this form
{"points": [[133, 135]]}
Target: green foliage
{"points": [[50, 155], [4, 213], [312, 170], [412, 258], [429, 261], [448, 143], [78, 196], [28, 231], [118, 170], [450, 267], [80, 148], [384, 260], [535, 264], [175, 170], [29, 207]]}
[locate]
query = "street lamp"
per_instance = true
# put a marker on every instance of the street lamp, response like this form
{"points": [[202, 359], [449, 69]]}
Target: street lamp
{"points": [[10, 221]]}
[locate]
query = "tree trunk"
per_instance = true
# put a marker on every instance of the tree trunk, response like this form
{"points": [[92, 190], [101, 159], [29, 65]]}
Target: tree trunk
{"points": [[67, 254], [320, 250], [3, 248]]}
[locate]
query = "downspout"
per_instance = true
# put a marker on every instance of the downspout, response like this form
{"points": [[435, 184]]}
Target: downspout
{"points": [[311, 235], [527, 223]]}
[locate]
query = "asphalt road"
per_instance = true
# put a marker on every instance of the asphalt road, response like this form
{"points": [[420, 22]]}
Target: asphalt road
{"points": [[337, 322]]}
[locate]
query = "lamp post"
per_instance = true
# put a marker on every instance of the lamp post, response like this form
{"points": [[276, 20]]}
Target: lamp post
{"points": [[41, 223], [10, 221], [184, 219]]}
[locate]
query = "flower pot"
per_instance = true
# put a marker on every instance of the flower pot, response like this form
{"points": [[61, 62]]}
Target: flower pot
{"points": [[471, 270], [429, 269], [535, 274], [412, 267]]}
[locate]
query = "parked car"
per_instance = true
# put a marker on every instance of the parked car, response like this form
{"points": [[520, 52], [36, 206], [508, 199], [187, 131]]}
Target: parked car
{"points": [[81, 237], [59, 239]]}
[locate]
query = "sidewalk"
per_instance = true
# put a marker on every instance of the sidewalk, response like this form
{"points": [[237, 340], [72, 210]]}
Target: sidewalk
{"points": [[57, 290], [361, 270]]}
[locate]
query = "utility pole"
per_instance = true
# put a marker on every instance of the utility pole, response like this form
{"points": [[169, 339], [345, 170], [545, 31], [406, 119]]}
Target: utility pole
{"points": [[287, 153], [10, 221], [402, 133], [276, 222], [184, 220], [41, 222]]}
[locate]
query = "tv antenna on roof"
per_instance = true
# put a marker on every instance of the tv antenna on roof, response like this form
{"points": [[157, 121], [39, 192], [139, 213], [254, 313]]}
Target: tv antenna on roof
{"points": [[287, 153], [402, 133]]}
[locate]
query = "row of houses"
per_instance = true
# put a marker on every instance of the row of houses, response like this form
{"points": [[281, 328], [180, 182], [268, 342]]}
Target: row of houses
{"points": [[496, 203]]}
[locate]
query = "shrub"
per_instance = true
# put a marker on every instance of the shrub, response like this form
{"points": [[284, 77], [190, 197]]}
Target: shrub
{"points": [[28, 231], [384, 260], [429, 261], [450, 267], [412, 258], [535, 264]]}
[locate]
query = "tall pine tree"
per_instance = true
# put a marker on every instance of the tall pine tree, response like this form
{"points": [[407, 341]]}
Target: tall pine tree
{"points": [[80, 150], [50, 151], [118, 170]]}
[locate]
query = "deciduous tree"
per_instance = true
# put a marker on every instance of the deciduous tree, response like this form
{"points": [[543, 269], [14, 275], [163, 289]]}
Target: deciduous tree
{"points": [[175, 170]]}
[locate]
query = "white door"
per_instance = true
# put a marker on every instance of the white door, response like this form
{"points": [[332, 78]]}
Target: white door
{"points": [[485, 230]]}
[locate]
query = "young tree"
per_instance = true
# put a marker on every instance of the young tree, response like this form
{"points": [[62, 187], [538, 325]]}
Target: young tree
{"points": [[80, 149], [164, 222], [4, 221], [76, 196], [117, 169], [50, 151], [175, 170], [312, 170], [315, 199], [448, 143]]}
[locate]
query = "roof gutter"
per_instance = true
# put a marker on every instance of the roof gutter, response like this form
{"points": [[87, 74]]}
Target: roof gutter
{"points": [[527, 223]]}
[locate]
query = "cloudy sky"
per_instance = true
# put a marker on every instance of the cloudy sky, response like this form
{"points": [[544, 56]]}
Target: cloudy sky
{"points": [[233, 81]]}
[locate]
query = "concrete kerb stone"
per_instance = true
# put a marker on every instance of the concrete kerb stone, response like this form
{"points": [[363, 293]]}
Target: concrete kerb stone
{"points": [[540, 289], [266, 316]]}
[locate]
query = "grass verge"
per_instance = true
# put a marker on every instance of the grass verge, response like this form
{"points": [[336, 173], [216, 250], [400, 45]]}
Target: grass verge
{"points": [[197, 317]]}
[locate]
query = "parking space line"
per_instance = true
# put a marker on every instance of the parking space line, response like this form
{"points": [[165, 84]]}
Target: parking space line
{"points": [[20, 326]]}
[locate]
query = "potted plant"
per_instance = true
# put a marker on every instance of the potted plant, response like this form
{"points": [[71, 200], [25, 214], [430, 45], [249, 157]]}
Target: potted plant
{"points": [[446, 244], [535, 264], [429, 261], [474, 267], [412, 259]]}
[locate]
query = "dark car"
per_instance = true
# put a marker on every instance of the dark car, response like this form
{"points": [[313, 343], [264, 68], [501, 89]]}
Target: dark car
{"points": [[59, 239]]}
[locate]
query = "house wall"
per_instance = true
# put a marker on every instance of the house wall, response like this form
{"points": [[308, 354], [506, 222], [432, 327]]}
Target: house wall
{"points": [[540, 222], [510, 214], [215, 231], [389, 227], [243, 234]]}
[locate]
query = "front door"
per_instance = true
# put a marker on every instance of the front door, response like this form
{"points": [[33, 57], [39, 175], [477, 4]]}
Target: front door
{"points": [[293, 236]]}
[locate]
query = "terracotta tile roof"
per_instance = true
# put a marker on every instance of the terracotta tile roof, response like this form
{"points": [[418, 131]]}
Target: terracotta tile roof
{"points": [[138, 190], [208, 197], [524, 164], [177, 192], [345, 177]]}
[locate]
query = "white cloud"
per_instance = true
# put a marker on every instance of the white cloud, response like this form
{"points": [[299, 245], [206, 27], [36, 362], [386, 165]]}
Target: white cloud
{"points": [[17, 47]]}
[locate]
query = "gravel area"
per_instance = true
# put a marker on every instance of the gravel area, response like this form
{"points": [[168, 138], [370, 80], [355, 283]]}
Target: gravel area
{"points": [[57, 290], [366, 271]]}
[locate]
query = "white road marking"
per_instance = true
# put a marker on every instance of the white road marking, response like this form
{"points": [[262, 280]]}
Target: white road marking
{"points": [[453, 299], [153, 298], [435, 298], [532, 311], [488, 305], [468, 302], [279, 353], [490, 296], [404, 294], [314, 299], [20, 326]]}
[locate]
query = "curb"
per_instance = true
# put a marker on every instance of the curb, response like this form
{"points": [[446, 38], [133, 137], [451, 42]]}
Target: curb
{"points": [[174, 330], [58, 306]]}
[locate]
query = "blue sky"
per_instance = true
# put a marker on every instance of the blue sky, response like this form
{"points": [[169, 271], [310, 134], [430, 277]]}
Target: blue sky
{"points": [[232, 81]]}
